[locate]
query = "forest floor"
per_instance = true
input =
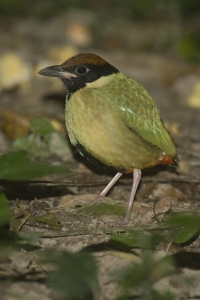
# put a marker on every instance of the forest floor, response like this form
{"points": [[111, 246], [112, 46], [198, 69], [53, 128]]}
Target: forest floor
{"points": [[174, 86]]}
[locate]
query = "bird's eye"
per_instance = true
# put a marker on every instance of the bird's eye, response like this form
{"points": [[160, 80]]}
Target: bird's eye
{"points": [[81, 70]]}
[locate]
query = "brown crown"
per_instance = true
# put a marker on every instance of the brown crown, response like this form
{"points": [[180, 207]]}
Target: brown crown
{"points": [[84, 58]]}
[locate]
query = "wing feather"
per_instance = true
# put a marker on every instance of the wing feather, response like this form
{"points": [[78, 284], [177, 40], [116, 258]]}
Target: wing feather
{"points": [[139, 113]]}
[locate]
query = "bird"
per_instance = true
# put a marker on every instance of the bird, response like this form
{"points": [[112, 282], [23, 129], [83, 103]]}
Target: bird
{"points": [[112, 120]]}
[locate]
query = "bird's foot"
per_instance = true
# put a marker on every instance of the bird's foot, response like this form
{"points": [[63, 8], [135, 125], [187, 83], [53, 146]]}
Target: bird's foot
{"points": [[99, 198]]}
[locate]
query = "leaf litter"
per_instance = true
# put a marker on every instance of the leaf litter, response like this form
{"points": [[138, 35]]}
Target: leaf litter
{"points": [[157, 252]]}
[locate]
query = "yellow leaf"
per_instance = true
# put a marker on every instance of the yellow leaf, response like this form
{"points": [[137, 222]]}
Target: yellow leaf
{"points": [[194, 98]]}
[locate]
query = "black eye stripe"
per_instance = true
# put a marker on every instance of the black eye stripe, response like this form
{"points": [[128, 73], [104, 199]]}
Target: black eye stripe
{"points": [[81, 70]]}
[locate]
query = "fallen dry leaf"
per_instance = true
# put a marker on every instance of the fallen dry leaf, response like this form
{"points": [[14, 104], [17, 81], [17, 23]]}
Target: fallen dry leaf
{"points": [[59, 54], [13, 71], [163, 190], [71, 201], [128, 256], [79, 34], [194, 98], [162, 205], [174, 128], [16, 125]]}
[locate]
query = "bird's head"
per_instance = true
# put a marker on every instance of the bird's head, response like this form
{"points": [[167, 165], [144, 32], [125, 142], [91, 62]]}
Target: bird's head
{"points": [[79, 70]]}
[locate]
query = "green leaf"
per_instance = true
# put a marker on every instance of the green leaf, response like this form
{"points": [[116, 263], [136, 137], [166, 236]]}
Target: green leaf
{"points": [[135, 239], [41, 126], [186, 226], [36, 143], [145, 275], [7, 238], [4, 210], [75, 275], [33, 144], [18, 166], [104, 209], [50, 219], [44, 140], [59, 146]]}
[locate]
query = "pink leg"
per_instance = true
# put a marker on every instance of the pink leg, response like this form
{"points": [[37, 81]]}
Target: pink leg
{"points": [[108, 187], [136, 180]]}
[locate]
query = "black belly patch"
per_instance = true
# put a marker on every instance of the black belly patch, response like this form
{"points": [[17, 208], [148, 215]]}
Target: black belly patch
{"points": [[95, 161]]}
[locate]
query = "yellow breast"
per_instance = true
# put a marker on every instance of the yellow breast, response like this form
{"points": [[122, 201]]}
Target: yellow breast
{"points": [[95, 123]]}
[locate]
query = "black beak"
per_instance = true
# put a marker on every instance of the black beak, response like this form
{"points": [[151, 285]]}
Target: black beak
{"points": [[52, 71], [56, 71]]}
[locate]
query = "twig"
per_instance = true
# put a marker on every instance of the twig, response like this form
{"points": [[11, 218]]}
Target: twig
{"points": [[23, 222], [56, 183], [103, 182], [173, 179], [102, 231]]}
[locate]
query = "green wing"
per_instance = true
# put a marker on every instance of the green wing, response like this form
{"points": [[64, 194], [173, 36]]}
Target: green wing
{"points": [[139, 113]]}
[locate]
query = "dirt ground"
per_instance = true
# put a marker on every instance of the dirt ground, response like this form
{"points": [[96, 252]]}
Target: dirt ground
{"points": [[174, 85]]}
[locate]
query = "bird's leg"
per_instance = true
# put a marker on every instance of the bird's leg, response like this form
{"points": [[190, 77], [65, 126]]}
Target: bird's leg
{"points": [[108, 187], [136, 180]]}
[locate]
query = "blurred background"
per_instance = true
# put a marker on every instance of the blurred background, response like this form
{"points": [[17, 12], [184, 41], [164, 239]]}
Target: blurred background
{"points": [[157, 43], [167, 27]]}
